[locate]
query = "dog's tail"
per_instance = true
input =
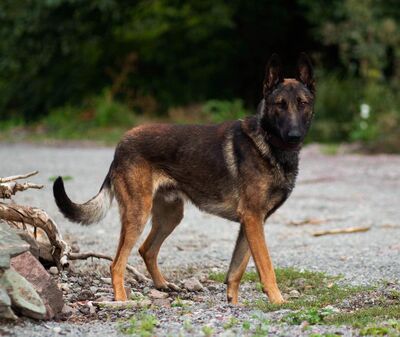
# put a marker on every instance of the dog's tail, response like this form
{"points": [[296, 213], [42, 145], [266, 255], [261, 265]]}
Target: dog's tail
{"points": [[91, 211]]}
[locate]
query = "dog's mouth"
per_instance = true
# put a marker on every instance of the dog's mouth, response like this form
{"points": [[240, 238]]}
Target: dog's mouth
{"points": [[284, 144]]}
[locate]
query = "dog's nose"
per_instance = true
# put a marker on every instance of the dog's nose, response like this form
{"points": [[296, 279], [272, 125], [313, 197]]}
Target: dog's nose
{"points": [[294, 136]]}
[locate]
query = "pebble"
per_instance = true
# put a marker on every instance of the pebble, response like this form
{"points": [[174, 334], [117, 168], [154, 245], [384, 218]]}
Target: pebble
{"points": [[93, 289], [294, 293], [193, 284], [106, 280], [53, 270], [156, 294], [57, 329]]}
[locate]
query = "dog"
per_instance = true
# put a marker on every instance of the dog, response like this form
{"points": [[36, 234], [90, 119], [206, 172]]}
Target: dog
{"points": [[241, 170]]}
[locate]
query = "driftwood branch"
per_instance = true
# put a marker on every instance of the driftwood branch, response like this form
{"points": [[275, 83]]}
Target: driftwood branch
{"points": [[17, 177], [342, 231], [9, 189]]}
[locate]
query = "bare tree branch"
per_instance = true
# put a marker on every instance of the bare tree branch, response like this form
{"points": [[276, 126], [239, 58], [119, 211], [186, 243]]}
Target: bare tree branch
{"points": [[17, 177], [9, 189]]}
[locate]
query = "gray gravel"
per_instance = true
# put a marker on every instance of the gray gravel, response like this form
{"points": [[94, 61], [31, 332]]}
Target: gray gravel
{"points": [[341, 191]]}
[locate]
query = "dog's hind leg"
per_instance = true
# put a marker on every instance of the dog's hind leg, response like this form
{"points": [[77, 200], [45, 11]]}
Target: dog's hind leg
{"points": [[239, 261], [134, 194], [166, 216]]}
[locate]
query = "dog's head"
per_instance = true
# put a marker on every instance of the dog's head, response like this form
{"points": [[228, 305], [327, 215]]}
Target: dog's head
{"points": [[287, 109]]}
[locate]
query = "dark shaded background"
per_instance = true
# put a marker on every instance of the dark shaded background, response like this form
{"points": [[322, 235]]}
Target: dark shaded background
{"points": [[151, 56]]}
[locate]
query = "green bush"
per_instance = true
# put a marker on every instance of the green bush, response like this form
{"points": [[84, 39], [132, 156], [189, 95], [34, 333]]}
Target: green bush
{"points": [[98, 112], [219, 110]]}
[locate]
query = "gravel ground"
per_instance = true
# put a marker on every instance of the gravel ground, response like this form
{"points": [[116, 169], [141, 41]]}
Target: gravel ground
{"points": [[333, 191]]}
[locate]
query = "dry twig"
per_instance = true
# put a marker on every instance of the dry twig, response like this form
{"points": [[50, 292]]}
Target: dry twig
{"points": [[342, 231]]}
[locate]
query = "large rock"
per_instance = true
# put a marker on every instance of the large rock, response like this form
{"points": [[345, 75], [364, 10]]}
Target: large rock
{"points": [[11, 245], [30, 268], [24, 298], [5, 306]]}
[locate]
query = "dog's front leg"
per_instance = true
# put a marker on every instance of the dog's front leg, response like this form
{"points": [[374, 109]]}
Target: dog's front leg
{"points": [[253, 227]]}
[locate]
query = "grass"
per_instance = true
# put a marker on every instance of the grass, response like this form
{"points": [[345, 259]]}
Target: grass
{"points": [[65, 178], [390, 329], [330, 149], [142, 325], [319, 295]]}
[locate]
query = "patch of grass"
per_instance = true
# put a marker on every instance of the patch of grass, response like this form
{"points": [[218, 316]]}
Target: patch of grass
{"points": [[361, 317], [390, 329], [179, 303], [65, 178], [262, 328], [207, 330], [317, 290], [311, 316], [231, 323], [325, 335], [142, 325]]}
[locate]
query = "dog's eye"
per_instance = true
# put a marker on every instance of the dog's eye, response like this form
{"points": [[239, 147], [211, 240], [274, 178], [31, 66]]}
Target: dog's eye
{"points": [[302, 103], [281, 104]]}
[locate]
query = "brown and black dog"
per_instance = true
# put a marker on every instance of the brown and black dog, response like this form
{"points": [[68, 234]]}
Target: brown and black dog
{"points": [[240, 170]]}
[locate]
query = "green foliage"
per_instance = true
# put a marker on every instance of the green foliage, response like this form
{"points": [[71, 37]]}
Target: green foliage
{"points": [[141, 325], [207, 331], [220, 111], [149, 56], [360, 318], [311, 316], [390, 328], [65, 178]]}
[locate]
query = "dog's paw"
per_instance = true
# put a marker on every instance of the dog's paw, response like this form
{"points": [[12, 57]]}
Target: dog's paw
{"points": [[173, 286], [168, 286]]}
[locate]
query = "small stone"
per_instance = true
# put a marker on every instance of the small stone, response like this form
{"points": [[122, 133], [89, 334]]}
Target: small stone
{"points": [[144, 303], [106, 280], [93, 289], [57, 329], [66, 312], [146, 290], [156, 294], [53, 270], [193, 284], [65, 287], [92, 309], [294, 293], [85, 295], [162, 302]]}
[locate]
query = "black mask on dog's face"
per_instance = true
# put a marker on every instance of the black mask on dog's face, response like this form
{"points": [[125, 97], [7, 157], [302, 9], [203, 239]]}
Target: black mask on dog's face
{"points": [[287, 108]]}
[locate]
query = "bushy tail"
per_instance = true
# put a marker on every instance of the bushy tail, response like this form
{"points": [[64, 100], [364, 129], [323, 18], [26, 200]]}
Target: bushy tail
{"points": [[91, 211]]}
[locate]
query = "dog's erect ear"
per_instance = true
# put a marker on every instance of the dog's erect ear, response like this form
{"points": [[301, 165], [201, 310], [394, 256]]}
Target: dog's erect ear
{"points": [[305, 73], [273, 74]]}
